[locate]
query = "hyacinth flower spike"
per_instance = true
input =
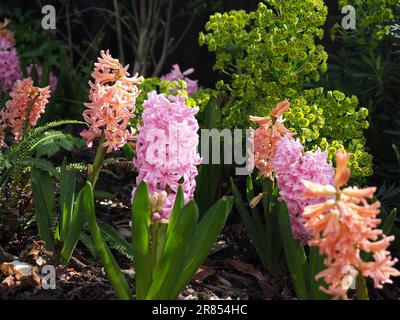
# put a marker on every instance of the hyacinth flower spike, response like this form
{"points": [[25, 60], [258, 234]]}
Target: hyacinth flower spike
{"points": [[345, 228], [112, 104], [271, 129], [24, 109], [265, 138]]}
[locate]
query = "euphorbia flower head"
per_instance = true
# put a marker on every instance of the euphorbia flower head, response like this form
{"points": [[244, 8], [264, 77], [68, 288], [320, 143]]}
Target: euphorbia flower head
{"points": [[343, 227], [292, 165], [176, 74], [39, 72], [267, 135], [26, 101], [167, 151], [112, 103]]}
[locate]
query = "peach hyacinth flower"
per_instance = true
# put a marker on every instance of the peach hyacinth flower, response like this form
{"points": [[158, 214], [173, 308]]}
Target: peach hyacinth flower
{"points": [[7, 34], [25, 107], [343, 228], [112, 103], [267, 135]]}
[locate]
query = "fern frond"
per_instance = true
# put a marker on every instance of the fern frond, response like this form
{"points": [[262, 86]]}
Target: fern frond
{"points": [[89, 244], [51, 125], [20, 152], [115, 239]]}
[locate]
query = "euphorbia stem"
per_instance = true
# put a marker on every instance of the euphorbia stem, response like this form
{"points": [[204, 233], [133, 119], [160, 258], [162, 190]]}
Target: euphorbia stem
{"points": [[98, 163], [361, 286]]}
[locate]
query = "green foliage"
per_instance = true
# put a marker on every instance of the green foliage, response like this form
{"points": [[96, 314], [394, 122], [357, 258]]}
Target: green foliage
{"points": [[114, 238], [15, 159], [368, 62], [209, 178], [167, 260], [273, 239], [34, 44], [374, 19], [264, 232], [111, 267], [270, 54], [64, 228], [66, 143]]}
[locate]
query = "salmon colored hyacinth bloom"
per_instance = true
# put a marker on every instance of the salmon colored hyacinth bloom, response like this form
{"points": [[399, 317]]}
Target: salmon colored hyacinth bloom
{"points": [[267, 135], [26, 101], [344, 227], [112, 103]]}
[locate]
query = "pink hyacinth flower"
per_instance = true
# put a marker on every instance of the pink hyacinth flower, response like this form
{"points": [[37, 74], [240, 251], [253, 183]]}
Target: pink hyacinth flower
{"points": [[292, 165], [167, 149], [176, 74]]}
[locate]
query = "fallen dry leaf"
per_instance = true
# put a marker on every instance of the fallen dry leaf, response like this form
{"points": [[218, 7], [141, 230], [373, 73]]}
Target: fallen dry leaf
{"points": [[203, 273], [243, 267], [246, 268]]}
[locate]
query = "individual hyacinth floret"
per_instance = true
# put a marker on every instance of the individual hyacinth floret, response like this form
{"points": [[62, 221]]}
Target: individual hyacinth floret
{"points": [[25, 107], [167, 151], [176, 74], [292, 165], [112, 103], [345, 227]]}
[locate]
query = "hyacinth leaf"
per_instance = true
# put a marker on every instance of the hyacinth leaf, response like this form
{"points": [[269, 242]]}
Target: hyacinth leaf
{"points": [[271, 214], [129, 151], [176, 210], [258, 236], [205, 235], [254, 212], [169, 269], [316, 266], [74, 226], [389, 221], [208, 179], [67, 197], [141, 240], [111, 266], [43, 195], [393, 230], [293, 254]]}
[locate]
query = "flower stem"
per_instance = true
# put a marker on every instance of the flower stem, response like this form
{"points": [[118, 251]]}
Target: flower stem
{"points": [[362, 291], [97, 164], [28, 114], [154, 243]]}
